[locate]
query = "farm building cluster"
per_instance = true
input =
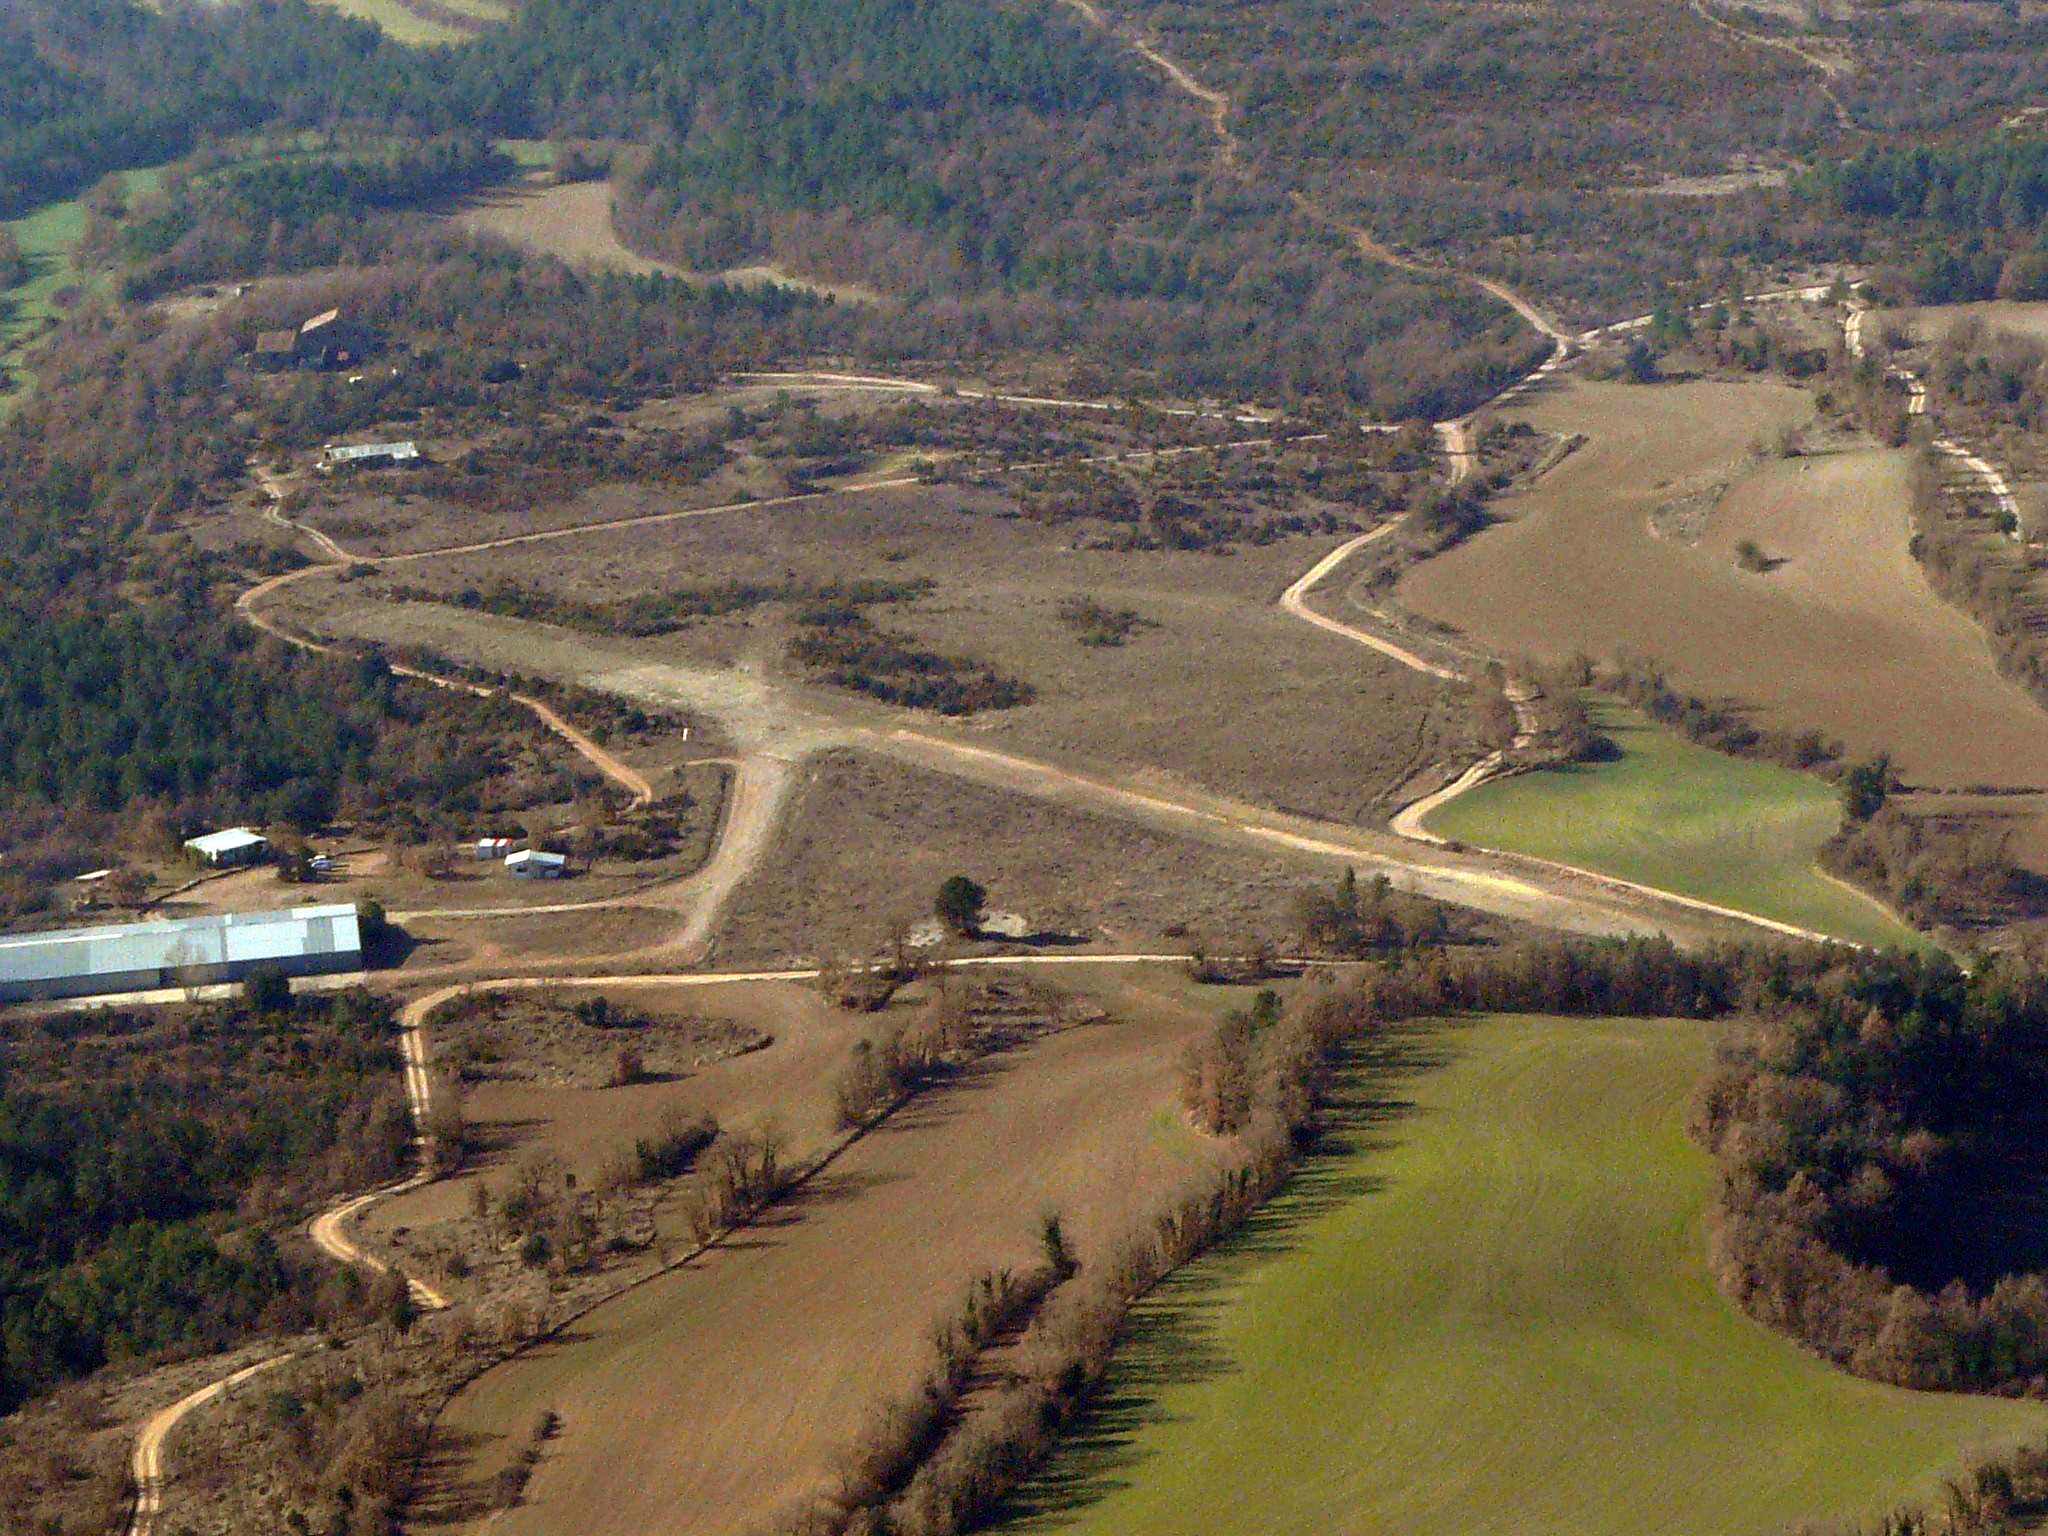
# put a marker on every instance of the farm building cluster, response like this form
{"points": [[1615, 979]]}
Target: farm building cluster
{"points": [[179, 952], [326, 342]]}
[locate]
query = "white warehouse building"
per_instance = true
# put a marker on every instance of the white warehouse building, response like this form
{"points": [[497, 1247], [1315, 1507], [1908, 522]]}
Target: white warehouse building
{"points": [[193, 951]]}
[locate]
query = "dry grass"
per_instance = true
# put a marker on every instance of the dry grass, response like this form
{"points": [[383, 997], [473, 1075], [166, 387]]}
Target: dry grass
{"points": [[584, 1126], [541, 1038], [1227, 691], [868, 842]]}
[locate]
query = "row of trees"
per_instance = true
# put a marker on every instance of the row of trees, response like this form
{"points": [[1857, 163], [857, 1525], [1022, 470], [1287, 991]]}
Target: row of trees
{"points": [[914, 1471]]}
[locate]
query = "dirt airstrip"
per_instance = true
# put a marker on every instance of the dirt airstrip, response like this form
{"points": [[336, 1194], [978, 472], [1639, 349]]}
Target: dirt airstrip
{"points": [[867, 840], [1219, 679], [1844, 634]]}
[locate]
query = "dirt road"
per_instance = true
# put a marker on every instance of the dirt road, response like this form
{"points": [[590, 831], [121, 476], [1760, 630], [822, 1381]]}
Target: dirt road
{"points": [[1826, 66], [248, 605], [146, 1462], [329, 1230], [329, 1233], [1973, 466], [1295, 601]]}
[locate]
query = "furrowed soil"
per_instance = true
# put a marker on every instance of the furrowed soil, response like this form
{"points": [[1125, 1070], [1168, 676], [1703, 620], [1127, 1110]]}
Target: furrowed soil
{"points": [[1844, 634], [1485, 1309], [1681, 818], [705, 1399]]}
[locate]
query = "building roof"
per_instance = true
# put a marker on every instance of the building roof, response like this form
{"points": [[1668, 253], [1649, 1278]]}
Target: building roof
{"points": [[325, 317], [232, 840], [348, 454], [277, 341], [224, 938], [538, 856]]}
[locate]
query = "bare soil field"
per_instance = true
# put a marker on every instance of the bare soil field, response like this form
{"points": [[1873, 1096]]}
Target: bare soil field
{"points": [[1931, 320], [704, 1400], [868, 841], [539, 942], [573, 1038], [1843, 634], [574, 222], [1214, 681]]}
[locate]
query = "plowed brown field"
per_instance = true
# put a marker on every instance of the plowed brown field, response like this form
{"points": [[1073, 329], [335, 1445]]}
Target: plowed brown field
{"points": [[1845, 634], [702, 1401]]}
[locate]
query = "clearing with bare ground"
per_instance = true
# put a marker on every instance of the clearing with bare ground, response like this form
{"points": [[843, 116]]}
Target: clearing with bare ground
{"points": [[574, 221], [869, 840], [1205, 692], [668, 1396], [806, 1040]]}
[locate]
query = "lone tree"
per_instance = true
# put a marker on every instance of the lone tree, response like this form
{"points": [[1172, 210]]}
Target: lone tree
{"points": [[959, 905], [1866, 787]]}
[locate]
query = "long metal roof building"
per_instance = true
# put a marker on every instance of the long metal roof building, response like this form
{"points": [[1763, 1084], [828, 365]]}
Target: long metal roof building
{"points": [[193, 951]]}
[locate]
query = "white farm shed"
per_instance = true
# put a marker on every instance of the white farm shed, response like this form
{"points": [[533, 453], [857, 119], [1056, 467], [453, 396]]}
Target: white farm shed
{"points": [[360, 455], [225, 850], [193, 951], [532, 864]]}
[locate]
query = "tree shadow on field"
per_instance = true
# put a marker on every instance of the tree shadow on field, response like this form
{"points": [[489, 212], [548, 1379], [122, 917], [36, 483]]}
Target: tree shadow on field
{"points": [[1170, 1339]]}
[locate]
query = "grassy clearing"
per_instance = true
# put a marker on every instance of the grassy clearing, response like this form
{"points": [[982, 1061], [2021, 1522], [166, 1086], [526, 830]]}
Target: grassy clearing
{"points": [[1486, 1310], [401, 24], [1682, 818], [48, 238]]}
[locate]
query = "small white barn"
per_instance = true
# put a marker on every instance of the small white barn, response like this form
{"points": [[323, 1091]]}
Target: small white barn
{"points": [[495, 847], [230, 848], [532, 864], [364, 455]]}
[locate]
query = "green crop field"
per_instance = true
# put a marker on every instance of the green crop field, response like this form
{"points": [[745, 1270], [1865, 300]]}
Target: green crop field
{"points": [[1682, 818], [47, 238], [1487, 1309]]}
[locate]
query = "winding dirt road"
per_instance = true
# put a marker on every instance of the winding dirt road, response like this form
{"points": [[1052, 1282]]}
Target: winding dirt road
{"points": [[1974, 465], [146, 1462], [607, 763], [329, 1233], [1822, 64]]}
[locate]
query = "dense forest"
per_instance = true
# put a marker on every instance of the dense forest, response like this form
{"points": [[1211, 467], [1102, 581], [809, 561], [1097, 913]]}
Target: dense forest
{"points": [[130, 1144], [1878, 1134], [301, 190], [935, 149], [90, 714]]}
